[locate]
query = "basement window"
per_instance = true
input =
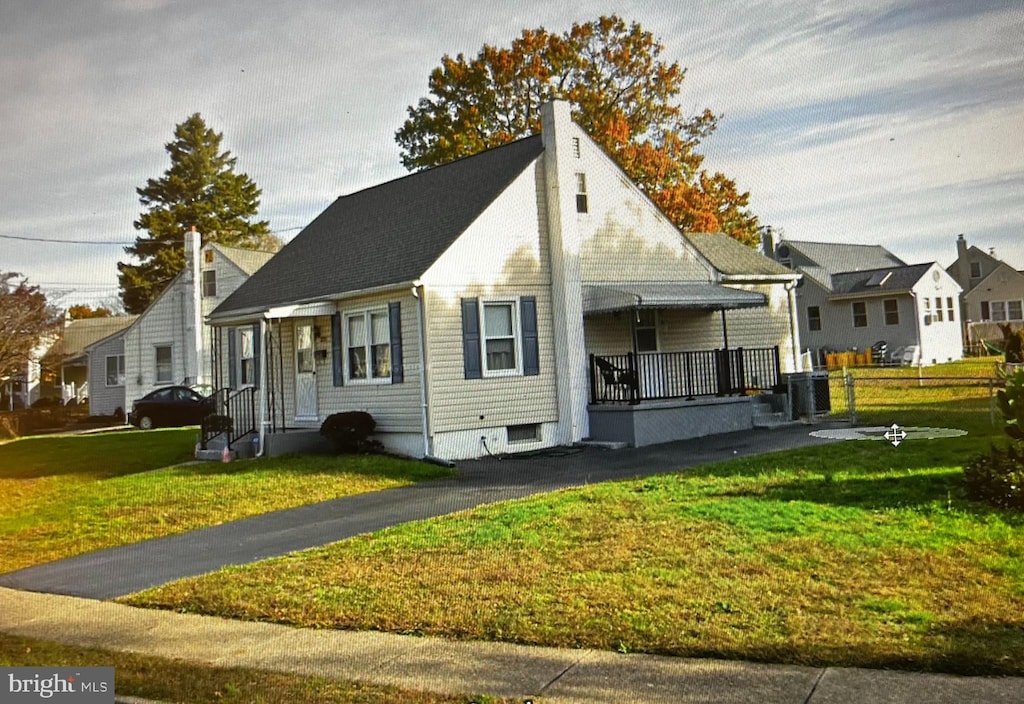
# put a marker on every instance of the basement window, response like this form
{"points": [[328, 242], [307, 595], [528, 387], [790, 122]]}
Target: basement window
{"points": [[523, 433]]}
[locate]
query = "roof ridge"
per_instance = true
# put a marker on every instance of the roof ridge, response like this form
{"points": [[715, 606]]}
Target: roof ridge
{"points": [[492, 150], [883, 268]]}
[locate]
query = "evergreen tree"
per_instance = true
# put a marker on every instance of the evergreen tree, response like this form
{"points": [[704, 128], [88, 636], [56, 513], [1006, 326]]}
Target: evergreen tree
{"points": [[200, 189]]}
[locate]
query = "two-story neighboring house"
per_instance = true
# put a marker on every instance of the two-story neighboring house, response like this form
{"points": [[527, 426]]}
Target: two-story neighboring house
{"points": [[170, 343], [854, 296], [993, 292]]}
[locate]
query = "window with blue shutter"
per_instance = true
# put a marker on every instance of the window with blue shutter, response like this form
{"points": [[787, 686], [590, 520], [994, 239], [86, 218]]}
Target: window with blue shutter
{"points": [[472, 366], [232, 358], [395, 321], [256, 349], [337, 358], [531, 350]]}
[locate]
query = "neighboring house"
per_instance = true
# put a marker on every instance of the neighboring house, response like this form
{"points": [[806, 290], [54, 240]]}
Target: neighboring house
{"points": [[525, 297], [106, 375], [25, 386], [67, 361], [169, 343], [993, 293], [854, 296]]}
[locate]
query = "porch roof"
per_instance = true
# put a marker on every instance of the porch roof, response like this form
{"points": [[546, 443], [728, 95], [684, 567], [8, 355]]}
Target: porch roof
{"points": [[612, 297]]}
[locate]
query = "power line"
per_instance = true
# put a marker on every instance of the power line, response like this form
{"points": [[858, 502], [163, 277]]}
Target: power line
{"points": [[98, 242]]}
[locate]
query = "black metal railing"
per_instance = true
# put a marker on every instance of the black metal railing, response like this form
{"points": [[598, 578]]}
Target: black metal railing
{"points": [[632, 378], [233, 417]]}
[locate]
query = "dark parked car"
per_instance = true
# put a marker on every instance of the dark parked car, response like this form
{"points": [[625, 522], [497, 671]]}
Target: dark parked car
{"points": [[171, 406]]}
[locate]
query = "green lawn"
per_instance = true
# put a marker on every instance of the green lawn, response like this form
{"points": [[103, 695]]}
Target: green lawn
{"points": [[176, 680], [854, 554], [65, 495]]}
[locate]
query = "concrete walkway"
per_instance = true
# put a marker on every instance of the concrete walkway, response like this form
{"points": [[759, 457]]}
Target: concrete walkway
{"points": [[434, 665], [106, 574]]}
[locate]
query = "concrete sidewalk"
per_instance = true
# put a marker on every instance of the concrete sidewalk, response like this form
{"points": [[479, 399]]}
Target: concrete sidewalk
{"points": [[470, 668], [106, 574]]}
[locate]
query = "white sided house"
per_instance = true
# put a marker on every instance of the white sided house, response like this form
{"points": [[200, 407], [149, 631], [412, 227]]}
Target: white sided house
{"points": [[169, 343], [993, 294], [526, 297], [854, 297]]}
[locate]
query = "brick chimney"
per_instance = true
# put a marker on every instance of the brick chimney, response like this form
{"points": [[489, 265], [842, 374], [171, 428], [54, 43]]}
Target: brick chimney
{"points": [[963, 264]]}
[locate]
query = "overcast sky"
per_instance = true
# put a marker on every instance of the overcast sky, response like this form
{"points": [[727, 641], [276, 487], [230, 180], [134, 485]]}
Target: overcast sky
{"points": [[893, 123]]}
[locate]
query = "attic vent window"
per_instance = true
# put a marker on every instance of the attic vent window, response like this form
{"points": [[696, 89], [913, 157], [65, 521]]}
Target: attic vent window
{"points": [[879, 278], [208, 256], [576, 147], [581, 193]]}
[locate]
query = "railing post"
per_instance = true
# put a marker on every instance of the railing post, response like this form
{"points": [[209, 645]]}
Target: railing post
{"points": [[634, 384], [778, 366], [741, 376], [593, 381]]}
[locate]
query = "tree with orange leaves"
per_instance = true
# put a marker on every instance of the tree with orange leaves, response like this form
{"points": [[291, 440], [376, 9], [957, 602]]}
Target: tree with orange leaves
{"points": [[621, 92]]}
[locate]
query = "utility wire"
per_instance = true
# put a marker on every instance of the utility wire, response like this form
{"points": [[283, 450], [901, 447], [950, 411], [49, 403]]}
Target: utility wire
{"points": [[98, 242]]}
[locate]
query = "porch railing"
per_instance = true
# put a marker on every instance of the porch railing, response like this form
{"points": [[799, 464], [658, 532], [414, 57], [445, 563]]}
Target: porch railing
{"points": [[632, 378], [237, 406]]}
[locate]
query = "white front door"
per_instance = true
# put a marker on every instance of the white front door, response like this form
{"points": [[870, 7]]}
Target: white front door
{"points": [[305, 373], [650, 366]]}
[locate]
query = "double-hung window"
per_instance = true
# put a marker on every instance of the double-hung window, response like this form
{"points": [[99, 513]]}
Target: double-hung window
{"points": [[860, 314], [813, 318], [115, 370], [209, 283], [368, 344], [892, 311], [246, 363], [998, 311], [949, 309], [1014, 310], [500, 340], [164, 364]]}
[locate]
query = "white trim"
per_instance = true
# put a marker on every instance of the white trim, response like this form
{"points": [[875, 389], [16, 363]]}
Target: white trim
{"points": [[517, 337], [367, 315]]}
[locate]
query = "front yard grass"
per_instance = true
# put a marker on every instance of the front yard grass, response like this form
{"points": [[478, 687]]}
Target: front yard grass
{"points": [[180, 681], [67, 495], [850, 554]]}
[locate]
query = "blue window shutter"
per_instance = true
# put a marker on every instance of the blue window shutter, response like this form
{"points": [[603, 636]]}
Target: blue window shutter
{"points": [[232, 358], [395, 321], [337, 361], [528, 320], [471, 339], [256, 345]]}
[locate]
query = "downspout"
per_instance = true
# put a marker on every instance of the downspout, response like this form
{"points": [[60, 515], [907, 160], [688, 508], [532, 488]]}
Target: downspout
{"points": [[263, 388], [794, 331], [419, 294]]}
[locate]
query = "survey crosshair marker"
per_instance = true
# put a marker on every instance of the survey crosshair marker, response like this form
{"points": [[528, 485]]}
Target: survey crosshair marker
{"points": [[895, 434]]}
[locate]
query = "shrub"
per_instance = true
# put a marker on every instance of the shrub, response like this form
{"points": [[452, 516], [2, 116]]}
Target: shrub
{"points": [[349, 432], [998, 477], [215, 423]]}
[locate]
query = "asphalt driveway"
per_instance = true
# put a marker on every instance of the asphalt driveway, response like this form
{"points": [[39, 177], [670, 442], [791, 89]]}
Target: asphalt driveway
{"points": [[114, 572]]}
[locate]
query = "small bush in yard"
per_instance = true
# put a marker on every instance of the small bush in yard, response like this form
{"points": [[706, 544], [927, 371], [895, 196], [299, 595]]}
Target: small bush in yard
{"points": [[998, 477], [350, 432]]}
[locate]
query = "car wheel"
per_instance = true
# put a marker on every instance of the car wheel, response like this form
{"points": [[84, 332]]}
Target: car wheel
{"points": [[146, 423]]}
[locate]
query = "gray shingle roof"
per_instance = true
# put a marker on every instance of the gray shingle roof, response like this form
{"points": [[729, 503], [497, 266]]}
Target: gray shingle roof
{"points": [[822, 260], [730, 257], [384, 235], [900, 280], [79, 334]]}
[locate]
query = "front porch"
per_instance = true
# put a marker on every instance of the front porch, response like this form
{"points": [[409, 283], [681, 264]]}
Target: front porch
{"points": [[650, 398]]}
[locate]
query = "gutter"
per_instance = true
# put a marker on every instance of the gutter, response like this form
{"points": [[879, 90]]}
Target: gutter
{"points": [[252, 313]]}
